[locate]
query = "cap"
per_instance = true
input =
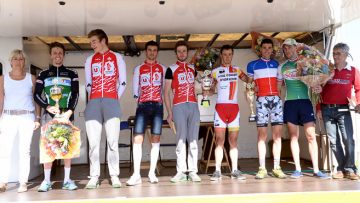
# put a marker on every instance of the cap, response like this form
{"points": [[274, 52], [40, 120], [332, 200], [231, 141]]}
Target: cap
{"points": [[289, 41]]}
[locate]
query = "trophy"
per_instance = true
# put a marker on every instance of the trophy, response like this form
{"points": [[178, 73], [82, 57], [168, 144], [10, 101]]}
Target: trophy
{"points": [[56, 94], [250, 97], [206, 82]]}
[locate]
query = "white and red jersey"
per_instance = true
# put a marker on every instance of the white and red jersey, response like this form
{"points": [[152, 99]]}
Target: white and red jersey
{"points": [[105, 75], [183, 76], [148, 82], [227, 83], [266, 76]]}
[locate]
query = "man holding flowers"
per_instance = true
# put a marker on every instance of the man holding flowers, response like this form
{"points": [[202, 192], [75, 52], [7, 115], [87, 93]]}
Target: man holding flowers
{"points": [[298, 109], [68, 80]]}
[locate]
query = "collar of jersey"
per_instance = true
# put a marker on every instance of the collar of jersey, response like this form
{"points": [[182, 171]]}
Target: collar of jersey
{"points": [[150, 63], [266, 60], [179, 63], [52, 67]]}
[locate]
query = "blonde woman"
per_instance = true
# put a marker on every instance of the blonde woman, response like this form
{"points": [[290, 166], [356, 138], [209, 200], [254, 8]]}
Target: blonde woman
{"points": [[19, 117]]}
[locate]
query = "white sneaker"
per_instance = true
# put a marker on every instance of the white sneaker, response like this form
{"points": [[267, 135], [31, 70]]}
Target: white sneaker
{"points": [[22, 188], [93, 183], [179, 177], [152, 178], [134, 180], [194, 177], [115, 182]]}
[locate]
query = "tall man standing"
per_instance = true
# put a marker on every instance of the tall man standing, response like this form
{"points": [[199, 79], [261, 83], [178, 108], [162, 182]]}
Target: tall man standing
{"points": [[227, 113], [180, 78], [147, 88], [268, 106], [57, 75], [105, 73], [298, 110], [335, 96]]}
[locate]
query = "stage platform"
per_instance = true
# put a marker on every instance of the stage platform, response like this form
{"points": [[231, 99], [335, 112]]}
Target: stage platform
{"points": [[306, 189]]}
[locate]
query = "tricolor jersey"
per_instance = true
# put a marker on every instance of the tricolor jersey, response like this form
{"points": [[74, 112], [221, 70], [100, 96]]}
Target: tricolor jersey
{"points": [[148, 82], [183, 76], [265, 74], [105, 75], [227, 83]]}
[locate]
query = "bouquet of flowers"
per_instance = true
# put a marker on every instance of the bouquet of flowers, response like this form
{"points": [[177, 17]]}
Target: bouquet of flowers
{"points": [[59, 141], [313, 69], [205, 59], [256, 42]]}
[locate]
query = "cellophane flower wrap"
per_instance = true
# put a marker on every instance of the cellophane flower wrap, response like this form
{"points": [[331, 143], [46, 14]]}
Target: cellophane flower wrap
{"points": [[313, 69], [59, 141], [205, 59]]}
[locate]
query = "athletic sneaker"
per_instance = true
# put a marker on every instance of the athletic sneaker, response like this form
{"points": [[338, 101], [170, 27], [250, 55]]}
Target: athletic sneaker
{"points": [[152, 178], [115, 182], [278, 173], [216, 176], [237, 175], [194, 177], [93, 183], [44, 187], [179, 177], [296, 175], [261, 174], [22, 188], [321, 175], [134, 180], [69, 185]]}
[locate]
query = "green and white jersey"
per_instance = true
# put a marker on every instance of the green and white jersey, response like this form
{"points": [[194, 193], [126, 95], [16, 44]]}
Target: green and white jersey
{"points": [[295, 89]]}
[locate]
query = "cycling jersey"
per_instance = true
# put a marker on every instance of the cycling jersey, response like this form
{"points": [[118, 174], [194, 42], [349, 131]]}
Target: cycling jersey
{"points": [[183, 76], [227, 87], [148, 82], [265, 74], [105, 75], [295, 88], [64, 78]]}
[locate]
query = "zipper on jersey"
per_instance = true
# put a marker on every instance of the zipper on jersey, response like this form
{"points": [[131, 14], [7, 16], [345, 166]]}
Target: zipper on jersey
{"points": [[151, 82], [187, 83], [102, 75], [267, 69]]}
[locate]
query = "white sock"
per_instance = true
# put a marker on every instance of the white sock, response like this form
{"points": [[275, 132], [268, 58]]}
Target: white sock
{"points": [[137, 153], [66, 174], [154, 155], [262, 162], [218, 158], [47, 173], [276, 163], [234, 159]]}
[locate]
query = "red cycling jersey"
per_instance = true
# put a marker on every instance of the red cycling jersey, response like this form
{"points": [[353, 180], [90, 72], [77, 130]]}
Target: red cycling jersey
{"points": [[183, 82], [105, 75], [148, 82]]}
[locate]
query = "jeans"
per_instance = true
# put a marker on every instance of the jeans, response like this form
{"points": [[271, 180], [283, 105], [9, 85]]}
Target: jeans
{"points": [[340, 124], [149, 113]]}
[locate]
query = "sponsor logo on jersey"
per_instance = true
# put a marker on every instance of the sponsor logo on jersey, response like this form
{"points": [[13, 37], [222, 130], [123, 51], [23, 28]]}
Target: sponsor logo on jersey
{"points": [[190, 77], [145, 80], [156, 79], [109, 68], [182, 78], [290, 74], [96, 69]]}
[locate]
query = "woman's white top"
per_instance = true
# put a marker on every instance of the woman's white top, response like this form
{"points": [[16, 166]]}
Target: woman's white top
{"points": [[18, 94]]}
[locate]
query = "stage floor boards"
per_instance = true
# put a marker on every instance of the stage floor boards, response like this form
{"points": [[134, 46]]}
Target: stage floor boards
{"points": [[206, 191]]}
